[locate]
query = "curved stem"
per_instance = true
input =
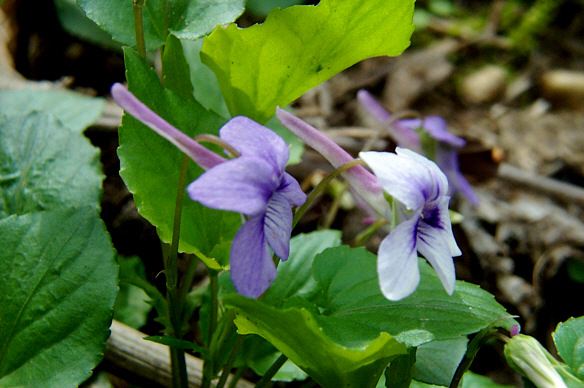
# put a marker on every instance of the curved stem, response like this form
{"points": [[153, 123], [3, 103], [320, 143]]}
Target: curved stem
{"points": [[320, 187], [218, 141], [139, 27], [271, 372]]}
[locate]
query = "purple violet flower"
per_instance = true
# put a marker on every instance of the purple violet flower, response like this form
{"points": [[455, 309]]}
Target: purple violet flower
{"points": [[254, 184], [404, 133], [425, 227]]}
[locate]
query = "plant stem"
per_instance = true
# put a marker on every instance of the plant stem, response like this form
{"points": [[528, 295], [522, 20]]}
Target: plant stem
{"points": [[139, 27], [214, 287], [230, 361], [177, 356], [236, 376], [267, 377], [320, 187]]}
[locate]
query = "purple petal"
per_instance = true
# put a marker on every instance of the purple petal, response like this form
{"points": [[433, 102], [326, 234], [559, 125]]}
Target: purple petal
{"points": [[397, 261], [437, 245], [374, 108], [447, 159], [437, 216], [437, 127], [242, 185], [201, 155], [362, 181], [253, 139], [290, 189], [251, 265], [278, 225]]}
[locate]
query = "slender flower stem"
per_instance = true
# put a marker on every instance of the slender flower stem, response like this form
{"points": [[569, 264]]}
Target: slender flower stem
{"points": [[333, 210], [271, 372], [230, 361], [214, 287], [218, 141], [365, 235], [236, 376], [187, 279], [178, 364], [139, 27], [320, 187], [473, 347]]}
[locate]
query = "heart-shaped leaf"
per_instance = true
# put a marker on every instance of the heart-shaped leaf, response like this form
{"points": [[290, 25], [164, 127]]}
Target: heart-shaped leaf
{"points": [[569, 340], [353, 307], [58, 285], [44, 165], [187, 19], [297, 48]]}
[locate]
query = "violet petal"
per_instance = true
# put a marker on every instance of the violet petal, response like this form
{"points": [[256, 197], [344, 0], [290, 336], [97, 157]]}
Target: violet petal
{"points": [[253, 139], [435, 249], [201, 155], [363, 182], [242, 185], [251, 266], [278, 225], [437, 127], [290, 189]]}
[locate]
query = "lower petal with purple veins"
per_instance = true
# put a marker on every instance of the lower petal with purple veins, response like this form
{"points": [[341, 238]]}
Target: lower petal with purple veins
{"points": [[397, 261], [278, 225], [251, 266], [433, 245]]}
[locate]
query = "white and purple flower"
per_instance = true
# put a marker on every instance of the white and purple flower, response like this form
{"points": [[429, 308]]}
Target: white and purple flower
{"points": [[420, 186], [424, 226], [254, 184]]}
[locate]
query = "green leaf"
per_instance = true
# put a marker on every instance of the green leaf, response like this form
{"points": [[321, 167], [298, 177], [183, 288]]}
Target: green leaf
{"points": [[353, 308], [206, 87], [75, 22], [297, 48], [58, 288], [75, 111], [150, 164], [44, 165], [295, 275], [297, 334], [173, 342], [400, 371], [263, 7], [469, 380], [473, 380], [569, 340], [437, 361], [176, 75], [132, 304], [187, 19]]}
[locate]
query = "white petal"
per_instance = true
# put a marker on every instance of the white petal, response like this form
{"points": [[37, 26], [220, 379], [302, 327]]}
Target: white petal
{"points": [[397, 261], [435, 248], [401, 177]]}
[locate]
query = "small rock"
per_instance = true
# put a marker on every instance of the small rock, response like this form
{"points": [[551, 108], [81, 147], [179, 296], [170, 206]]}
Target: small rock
{"points": [[564, 87], [484, 85]]}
